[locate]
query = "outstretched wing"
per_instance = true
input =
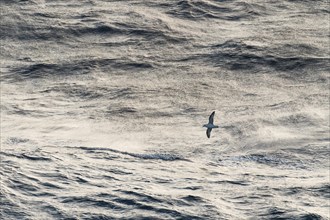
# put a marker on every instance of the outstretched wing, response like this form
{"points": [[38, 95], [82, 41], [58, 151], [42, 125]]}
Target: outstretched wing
{"points": [[208, 132], [211, 117]]}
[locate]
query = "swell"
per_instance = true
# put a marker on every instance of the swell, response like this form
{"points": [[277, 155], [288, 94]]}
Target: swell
{"points": [[156, 156], [63, 28], [74, 67], [40, 191], [283, 213], [275, 159], [26, 156], [226, 10], [239, 56], [25, 32], [84, 92]]}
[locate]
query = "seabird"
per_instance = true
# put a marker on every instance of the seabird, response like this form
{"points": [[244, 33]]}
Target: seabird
{"points": [[210, 125]]}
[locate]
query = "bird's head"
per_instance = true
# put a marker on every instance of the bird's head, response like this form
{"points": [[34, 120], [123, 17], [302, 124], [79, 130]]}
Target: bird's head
{"points": [[205, 125]]}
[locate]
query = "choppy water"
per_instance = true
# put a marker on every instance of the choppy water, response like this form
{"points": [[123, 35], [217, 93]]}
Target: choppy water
{"points": [[103, 102]]}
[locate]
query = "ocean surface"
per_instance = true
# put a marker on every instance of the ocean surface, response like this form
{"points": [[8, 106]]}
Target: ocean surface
{"points": [[103, 103]]}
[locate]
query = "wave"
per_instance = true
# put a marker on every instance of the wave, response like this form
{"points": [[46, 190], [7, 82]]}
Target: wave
{"points": [[26, 156], [226, 10], [282, 213], [156, 156], [237, 55], [85, 27], [74, 67], [274, 159]]}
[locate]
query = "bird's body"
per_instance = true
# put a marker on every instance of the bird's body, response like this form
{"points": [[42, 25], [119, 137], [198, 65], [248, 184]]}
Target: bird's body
{"points": [[210, 125]]}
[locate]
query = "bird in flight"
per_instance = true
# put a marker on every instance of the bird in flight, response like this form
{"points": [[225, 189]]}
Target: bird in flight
{"points": [[210, 125]]}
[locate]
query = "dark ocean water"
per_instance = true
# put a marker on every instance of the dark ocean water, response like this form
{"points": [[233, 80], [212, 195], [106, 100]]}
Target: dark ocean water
{"points": [[103, 102]]}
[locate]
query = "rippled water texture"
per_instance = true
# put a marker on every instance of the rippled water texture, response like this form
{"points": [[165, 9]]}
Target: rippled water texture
{"points": [[103, 102]]}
